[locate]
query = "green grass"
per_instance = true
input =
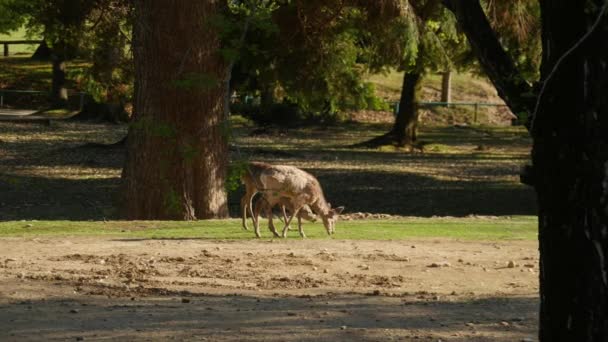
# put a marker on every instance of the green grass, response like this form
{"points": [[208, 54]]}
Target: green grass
{"points": [[20, 34], [498, 228]]}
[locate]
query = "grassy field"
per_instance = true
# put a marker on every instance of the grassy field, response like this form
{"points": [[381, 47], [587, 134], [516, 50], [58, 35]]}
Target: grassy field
{"points": [[53, 173], [500, 228], [21, 34]]}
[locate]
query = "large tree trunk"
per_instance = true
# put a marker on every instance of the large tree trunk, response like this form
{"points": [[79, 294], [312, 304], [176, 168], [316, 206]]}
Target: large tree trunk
{"points": [[405, 128], [446, 87], [570, 158], [570, 162], [177, 146], [59, 92]]}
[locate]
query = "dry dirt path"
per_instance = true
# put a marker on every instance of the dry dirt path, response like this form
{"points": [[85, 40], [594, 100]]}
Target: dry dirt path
{"points": [[76, 288]]}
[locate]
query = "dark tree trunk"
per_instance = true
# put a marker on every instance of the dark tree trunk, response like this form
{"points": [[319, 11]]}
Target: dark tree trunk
{"points": [[405, 128], [177, 147], [446, 87], [42, 53], [59, 92], [569, 155], [496, 63], [570, 161]]}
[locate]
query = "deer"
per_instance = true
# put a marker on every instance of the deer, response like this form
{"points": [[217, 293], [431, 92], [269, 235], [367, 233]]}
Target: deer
{"points": [[262, 206], [252, 184], [277, 182]]}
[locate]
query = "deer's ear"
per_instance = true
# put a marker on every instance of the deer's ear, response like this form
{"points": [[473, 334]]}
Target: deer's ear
{"points": [[338, 210]]}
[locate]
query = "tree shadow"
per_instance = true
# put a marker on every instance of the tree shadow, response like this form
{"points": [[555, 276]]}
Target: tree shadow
{"points": [[185, 315]]}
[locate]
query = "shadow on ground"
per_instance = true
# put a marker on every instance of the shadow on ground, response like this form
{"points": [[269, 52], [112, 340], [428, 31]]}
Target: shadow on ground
{"points": [[52, 173], [188, 316]]}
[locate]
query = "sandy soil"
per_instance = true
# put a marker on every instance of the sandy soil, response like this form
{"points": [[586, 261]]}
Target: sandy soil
{"points": [[295, 290]]}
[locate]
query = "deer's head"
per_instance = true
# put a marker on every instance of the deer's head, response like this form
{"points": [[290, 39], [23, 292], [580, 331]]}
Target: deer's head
{"points": [[329, 220]]}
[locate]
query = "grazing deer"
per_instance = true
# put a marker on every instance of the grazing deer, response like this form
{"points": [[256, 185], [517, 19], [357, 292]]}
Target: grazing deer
{"points": [[262, 206], [277, 182], [252, 187]]}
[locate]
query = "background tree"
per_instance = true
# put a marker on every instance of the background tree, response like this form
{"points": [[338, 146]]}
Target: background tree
{"points": [[177, 146], [569, 126], [431, 43], [305, 57], [61, 23]]}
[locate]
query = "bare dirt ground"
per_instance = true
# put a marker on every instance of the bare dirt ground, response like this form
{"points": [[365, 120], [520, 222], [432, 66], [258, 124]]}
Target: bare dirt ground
{"points": [[85, 288]]}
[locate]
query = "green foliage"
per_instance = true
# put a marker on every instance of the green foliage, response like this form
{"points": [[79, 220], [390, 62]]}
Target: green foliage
{"points": [[235, 170], [10, 18], [172, 203], [306, 55]]}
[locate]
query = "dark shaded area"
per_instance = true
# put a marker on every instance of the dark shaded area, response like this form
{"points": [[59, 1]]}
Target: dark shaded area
{"points": [[369, 189], [164, 315]]}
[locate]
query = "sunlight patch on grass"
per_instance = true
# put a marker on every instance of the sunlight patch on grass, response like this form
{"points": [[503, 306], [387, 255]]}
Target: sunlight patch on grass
{"points": [[492, 228]]}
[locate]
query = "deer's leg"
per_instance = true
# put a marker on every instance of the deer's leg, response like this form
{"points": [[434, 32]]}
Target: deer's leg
{"points": [[300, 227], [256, 221], [285, 216], [253, 217], [271, 226], [244, 201], [295, 213]]}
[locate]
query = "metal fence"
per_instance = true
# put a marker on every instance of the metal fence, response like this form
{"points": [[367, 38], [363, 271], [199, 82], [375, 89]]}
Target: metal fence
{"points": [[475, 105]]}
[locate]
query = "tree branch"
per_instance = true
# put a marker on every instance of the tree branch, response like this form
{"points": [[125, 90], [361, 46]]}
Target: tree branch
{"points": [[497, 64]]}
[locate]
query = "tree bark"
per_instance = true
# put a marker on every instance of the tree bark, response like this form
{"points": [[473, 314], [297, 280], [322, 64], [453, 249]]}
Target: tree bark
{"points": [[177, 145], [446, 87], [59, 92], [405, 128], [570, 136], [494, 60]]}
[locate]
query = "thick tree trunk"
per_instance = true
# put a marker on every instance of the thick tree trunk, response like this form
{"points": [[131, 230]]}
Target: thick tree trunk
{"points": [[59, 92], [405, 128], [177, 146], [446, 87], [494, 60], [570, 162]]}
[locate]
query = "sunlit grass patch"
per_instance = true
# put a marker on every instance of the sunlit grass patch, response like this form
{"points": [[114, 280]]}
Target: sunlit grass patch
{"points": [[485, 228]]}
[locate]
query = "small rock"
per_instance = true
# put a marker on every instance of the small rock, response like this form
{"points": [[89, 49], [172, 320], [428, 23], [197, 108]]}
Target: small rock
{"points": [[74, 311], [314, 268], [470, 324], [505, 324], [325, 270], [185, 300], [343, 327], [413, 246], [529, 265], [511, 264], [251, 264], [291, 314], [79, 338]]}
